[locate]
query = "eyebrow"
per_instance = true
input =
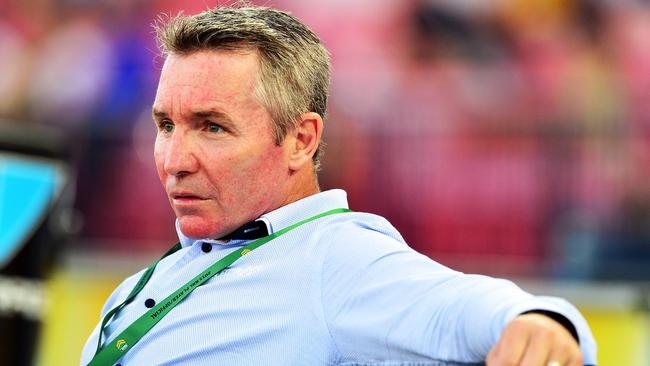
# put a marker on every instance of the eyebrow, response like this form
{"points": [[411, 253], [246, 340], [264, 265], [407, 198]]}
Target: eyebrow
{"points": [[214, 114], [157, 114]]}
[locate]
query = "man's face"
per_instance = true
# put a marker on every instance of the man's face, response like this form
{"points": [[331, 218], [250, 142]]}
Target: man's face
{"points": [[215, 152]]}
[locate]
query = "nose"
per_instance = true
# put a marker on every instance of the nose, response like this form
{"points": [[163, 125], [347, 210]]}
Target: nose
{"points": [[179, 158]]}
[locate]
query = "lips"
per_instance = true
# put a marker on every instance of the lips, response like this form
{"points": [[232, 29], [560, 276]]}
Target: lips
{"points": [[185, 196]]}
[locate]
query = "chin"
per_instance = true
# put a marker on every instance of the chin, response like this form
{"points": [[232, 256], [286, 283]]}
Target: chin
{"points": [[198, 228]]}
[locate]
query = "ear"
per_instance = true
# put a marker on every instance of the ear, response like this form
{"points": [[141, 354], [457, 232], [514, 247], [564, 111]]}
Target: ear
{"points": [[304, 140]]}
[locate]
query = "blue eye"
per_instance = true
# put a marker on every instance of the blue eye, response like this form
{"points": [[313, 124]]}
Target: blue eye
{"points": [[167, 126], [213, 127]]}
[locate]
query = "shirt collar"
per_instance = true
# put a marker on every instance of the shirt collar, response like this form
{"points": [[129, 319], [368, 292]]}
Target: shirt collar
{"points": [[284, 216]]}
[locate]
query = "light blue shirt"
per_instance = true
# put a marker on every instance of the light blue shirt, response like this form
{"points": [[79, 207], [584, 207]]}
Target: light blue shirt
{"points": [[341, 290]]}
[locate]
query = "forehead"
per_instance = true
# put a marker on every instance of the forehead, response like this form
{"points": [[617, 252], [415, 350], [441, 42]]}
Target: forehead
{"points": [[208, 75]]}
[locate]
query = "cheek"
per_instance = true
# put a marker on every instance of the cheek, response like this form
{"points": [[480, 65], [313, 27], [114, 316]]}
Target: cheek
{"points": [[246, 174], [271, 167], [159, 157], [256, 176]]}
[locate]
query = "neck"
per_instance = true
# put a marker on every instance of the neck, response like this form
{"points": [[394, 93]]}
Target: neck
{"points": [[304, 184]]}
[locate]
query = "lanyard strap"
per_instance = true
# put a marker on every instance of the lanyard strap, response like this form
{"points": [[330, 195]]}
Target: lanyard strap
{"points": [[134, 292], [111, 352]]}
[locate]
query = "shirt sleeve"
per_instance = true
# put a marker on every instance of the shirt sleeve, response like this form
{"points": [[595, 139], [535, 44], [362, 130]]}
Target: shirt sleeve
{"points": [[384, 301]]}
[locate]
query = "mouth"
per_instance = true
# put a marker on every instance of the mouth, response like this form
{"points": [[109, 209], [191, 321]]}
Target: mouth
{"points": [[180, 197]]}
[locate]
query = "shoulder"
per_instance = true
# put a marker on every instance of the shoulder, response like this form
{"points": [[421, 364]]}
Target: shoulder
{"points": [[360, 228], [358, 239]]}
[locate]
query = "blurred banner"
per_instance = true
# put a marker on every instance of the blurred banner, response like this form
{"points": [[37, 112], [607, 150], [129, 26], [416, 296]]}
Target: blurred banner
{"points": [[34, 219]]}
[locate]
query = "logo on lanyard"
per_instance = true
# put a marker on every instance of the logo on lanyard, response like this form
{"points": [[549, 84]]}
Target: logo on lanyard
{"points": [[121, 345]]}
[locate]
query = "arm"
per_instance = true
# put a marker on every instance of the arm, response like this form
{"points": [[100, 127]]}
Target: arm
{"points": [[384, 301]]}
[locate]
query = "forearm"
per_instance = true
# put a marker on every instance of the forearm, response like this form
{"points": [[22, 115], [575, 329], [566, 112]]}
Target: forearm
{"points": [[508, 302]]}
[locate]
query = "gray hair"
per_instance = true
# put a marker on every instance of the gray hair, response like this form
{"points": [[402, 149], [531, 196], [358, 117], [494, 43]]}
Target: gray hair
{"points": [[294, 72]]}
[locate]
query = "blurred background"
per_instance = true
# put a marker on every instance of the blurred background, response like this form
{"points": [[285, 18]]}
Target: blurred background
{"points": [[507, 137]]}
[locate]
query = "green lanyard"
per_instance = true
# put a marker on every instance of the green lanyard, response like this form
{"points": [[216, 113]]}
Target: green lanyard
{"points": [[111, 352]]}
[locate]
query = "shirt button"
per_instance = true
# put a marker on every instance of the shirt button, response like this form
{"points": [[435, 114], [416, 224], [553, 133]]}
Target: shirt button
{"points": [[149, 303], [206, 247]]}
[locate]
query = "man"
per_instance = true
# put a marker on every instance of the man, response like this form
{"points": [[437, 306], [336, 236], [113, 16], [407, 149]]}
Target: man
{"points": [[239, 114]]}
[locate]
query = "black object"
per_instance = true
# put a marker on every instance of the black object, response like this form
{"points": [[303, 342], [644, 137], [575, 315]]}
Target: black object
{"points": [[32, 251], [252, 230]]}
